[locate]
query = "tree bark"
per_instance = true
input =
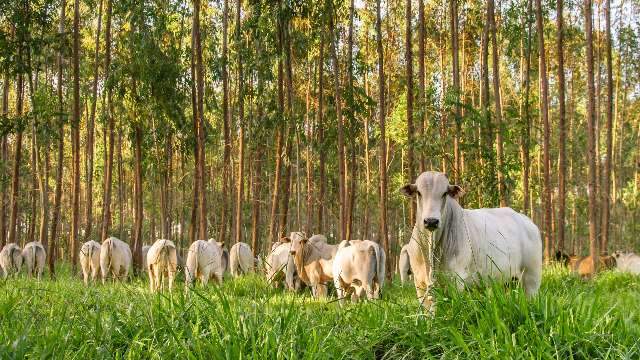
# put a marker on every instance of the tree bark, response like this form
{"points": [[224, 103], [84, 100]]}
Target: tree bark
{"points": [[200, 130], [240, 179], [562, 125], [226, 171], [320, 127], [606, 186], [107, 186], [591, 136], [455, 69], [498, 102], [4, 152], [421, 81], [408, 59], [137, 230], [75, 136], [384, 235]]}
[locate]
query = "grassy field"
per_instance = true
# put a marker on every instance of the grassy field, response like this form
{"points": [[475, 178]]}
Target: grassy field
{"points": [[246, 318]]}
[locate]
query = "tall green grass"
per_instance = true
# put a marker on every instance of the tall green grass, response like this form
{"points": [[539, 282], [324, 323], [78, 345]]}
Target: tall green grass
{"points": [[246, 318]]}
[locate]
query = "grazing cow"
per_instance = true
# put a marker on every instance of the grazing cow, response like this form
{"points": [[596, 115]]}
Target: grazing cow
{"points": [[404, 266], [115, 259], [471, 244], [10, 259], [162, 261], [241, 259], [203, 263], [279, 265], [90, 260], [35, 258], [583, 265], [313, 258], [358, 270], [145, 251], [627, 262]]}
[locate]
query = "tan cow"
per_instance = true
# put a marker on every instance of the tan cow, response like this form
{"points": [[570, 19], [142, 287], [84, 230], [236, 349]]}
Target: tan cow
{"points": [[115, 259], [313, 258], [10, 259], [90, 260], [162, 261], [204, 262], [241, 259], [35, 258], [358, 270]]}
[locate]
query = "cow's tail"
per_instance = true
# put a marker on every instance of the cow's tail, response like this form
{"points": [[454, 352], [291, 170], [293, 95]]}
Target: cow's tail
{"points": [[109, 253], [34, 250]]}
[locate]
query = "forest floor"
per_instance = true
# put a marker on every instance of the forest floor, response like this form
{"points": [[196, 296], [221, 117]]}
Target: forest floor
{"points": [[247, 318]]}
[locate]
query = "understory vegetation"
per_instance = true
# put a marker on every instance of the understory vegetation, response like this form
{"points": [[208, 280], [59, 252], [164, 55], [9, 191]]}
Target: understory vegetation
{"points": [[247, 318]]}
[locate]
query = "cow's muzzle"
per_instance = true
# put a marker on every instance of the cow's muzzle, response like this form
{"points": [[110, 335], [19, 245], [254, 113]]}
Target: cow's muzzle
{"points": [[431, 223]]}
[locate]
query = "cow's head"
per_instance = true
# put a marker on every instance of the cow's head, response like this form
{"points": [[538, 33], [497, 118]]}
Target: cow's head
{"points": [[298, 240], [431, 190]]}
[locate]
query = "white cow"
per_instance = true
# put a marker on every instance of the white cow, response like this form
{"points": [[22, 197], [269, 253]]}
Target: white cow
{"points": [[35, 258], [279, 265], [241, 259], [470, 244], [204, 262], [404, 266], [115, 259], [10, 259], [162, 261], [358, 270], [90, 260], [627, 262]]}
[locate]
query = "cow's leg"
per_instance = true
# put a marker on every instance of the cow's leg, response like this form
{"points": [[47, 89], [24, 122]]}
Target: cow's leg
{"points": [[321, 291], [531, 281]]}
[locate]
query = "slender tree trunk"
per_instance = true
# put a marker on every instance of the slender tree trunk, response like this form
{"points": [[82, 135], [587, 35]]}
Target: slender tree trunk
{"points": [[526, 115], [455, 69], [137, 231], [15, 180], [384, 234], [4, 151], [75, 136], [342, 203], [591, 135], [350, 195], [200, 160], [60, 168], [606, 186], [320, 127], [286, 186], [561, 124], [90, 134], [421, 81], [498, 101], [240, 179], [408, 59], [255, 198], [107, 186], [226, 171]]}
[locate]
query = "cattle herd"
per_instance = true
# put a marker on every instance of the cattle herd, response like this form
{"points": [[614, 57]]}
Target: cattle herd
{"points": [[499, 244]]}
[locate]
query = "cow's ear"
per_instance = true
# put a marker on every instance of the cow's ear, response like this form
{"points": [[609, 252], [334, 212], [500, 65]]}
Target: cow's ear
{"points": [[455, 191], [409, 190], [285, 239]]}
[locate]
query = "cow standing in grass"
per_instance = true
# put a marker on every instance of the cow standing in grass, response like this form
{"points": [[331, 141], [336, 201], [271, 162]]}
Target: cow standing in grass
{"points": [[90, 260], [471, 244], [359, 270], [241, 259], [10, 259], [279, 265], [313, 258], [204, 262], [35, 258], [115, 259], [627, 262], [404, 267], [162, 261]]}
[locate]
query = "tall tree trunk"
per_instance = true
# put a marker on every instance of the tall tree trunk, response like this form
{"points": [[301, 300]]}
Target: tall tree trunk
{"points": [[226, 161], [606, 183], [75, 136], [88, 215], [4, 152], [15, 180], [137, 231], [107, 186], [561, 124], [455, 69], [498, 101], [408, 59], [280, 138], [421, 81], [320, 127], [591, 135], [255, 198], [60, 168], [240, 179], [350, 195], [200, 128], [384, 234], [525, 113]]}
